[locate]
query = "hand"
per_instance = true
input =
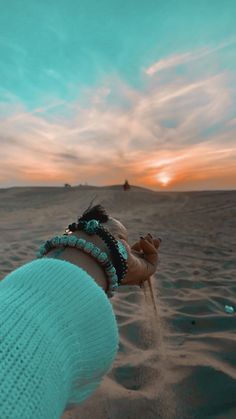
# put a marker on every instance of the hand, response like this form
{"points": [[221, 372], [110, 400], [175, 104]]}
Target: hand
{"points": [[142, 260]]}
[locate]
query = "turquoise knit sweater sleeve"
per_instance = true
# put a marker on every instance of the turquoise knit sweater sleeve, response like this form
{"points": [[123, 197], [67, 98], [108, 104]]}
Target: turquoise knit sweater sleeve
{"points": [[58, 337]]}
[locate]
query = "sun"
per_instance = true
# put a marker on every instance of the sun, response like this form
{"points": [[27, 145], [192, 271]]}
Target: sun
{"points": [[163, 178]]}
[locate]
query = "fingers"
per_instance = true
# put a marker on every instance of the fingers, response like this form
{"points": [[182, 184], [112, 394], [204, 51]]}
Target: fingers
{"points": [[147, 247], [150, 257], [142, 261], [155, 242], [136, 246]]}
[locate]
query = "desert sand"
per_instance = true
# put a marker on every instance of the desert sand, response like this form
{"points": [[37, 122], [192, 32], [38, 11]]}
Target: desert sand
{"points": [[178, 361]]}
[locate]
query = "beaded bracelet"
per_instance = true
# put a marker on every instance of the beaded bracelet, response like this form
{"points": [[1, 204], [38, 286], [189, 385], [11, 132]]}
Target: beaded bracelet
{"points": [[89, 248], [117, 250]]}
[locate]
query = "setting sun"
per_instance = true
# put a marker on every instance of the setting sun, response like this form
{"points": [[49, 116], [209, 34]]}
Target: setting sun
{"points": [[163, 178]]}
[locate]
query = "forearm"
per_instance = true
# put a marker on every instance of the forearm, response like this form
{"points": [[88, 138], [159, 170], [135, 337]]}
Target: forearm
{"points": [[57, 329], [83, 260]]}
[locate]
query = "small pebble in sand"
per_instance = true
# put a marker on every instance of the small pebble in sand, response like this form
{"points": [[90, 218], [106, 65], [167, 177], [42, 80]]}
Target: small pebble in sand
{"points": [[229, 309]]}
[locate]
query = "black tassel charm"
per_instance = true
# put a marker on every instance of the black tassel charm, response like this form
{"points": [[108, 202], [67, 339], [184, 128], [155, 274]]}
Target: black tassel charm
{"points": [[95, 213]]}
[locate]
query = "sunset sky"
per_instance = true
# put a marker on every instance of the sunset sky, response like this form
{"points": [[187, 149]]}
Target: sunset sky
{"points": [[100, 91]]}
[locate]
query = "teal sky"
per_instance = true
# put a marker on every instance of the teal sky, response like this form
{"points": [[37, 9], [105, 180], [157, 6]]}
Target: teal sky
{"points": [[67, 65]]}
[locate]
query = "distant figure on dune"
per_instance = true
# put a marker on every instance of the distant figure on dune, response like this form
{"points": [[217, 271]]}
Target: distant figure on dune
{"points": [[126, 185], [67, 186]]}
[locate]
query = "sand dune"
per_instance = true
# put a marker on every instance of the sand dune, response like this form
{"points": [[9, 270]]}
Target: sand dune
{"points": [[178, 362]]}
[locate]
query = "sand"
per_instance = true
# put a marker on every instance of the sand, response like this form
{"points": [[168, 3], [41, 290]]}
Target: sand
{"points": [[178, 362]]}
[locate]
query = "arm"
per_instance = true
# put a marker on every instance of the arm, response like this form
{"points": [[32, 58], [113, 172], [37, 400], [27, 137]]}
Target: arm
{"points": [[83, 260], [54, 346]]}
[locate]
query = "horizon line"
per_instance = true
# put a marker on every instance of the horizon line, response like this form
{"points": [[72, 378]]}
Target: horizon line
{"points": [[107, 186]]}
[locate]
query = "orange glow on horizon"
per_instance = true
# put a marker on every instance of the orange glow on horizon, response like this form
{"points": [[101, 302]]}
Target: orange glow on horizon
{"points": [[197, 167]]}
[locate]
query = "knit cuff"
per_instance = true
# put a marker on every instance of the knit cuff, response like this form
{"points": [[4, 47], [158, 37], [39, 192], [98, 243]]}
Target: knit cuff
{"points": [[59, 336]]}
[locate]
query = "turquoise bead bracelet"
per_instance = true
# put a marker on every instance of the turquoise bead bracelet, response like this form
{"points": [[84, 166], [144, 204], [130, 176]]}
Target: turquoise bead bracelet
{"points": [[89, 248], [117, 250]]}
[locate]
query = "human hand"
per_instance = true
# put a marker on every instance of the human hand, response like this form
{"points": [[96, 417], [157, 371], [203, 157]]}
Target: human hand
{"points": [[142, 260]]}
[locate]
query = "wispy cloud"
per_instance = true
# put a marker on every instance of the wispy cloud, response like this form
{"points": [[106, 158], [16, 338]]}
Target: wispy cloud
{"points": [[184, 58]]}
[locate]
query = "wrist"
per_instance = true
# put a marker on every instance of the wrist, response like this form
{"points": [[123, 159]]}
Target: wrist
{"points": [[83, 261]]}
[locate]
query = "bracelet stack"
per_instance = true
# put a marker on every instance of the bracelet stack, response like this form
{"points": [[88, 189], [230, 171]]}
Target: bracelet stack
{"points": [[117, 250], [88, 247]]}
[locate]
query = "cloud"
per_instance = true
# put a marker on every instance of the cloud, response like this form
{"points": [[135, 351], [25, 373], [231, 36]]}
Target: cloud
{"points": [[184, 58], [181, 129], [172, 61]]}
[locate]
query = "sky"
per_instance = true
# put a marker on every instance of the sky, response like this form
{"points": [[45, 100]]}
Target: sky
{"points": [[102, 91]]}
